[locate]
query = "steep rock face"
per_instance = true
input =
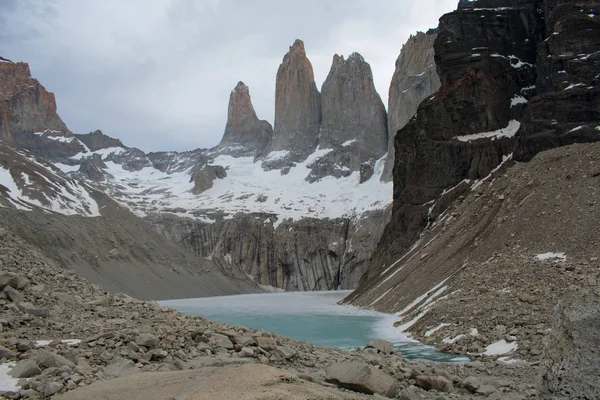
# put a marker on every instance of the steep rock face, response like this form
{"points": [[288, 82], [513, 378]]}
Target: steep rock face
{"points": [[97, 140], [297, 108], [203, 179], [571, 364], [354, 118], [414, 80], [25, 105], [434, 152], [567, 109], [244, 133], [497, 103], [309, 254]]}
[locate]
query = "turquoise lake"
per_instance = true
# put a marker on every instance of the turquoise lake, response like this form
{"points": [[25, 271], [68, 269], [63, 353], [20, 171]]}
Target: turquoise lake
{"points": [[314, 317]]}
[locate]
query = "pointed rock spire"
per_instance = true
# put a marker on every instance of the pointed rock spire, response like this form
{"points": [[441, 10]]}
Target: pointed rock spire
{"points": [[297, 106], [414, 80], [352, 109], [243, 128]]}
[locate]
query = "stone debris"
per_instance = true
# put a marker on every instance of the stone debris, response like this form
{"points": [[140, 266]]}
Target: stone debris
{"points": [[88, 335]]}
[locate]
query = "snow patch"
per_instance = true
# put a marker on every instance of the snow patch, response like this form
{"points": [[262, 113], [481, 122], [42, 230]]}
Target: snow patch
{"points": [[453, 340], [551, 256], [509, 131], [500, 347], [435, 329], [348, 142], [7, 382], [517, 100]]}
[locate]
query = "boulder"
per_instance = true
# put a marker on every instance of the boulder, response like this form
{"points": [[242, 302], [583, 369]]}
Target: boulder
{"points": [[33, 310], [120, 367], [361, 377], [221, 341], [382, 346], [471, 383], [14, 295], [52, 388], [25, 369], [8, 280], [409, 393], [438, 383], [147, 340], [6, 353], [48, 359], [266, 343]]}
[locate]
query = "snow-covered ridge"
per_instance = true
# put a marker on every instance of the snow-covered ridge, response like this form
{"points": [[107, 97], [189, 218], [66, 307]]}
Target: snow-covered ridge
{"points": [[247, 188]]}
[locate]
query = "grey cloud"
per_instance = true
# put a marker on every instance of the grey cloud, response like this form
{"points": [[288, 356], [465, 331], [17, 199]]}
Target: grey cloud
{"points": [[157, 74]]}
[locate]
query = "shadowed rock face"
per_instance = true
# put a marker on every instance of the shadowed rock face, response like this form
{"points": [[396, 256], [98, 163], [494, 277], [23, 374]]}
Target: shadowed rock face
{"points": [[352, 109], [354, 118], [297, 106], [244, 131], [25, 105], [501, 65], [414, 80]]}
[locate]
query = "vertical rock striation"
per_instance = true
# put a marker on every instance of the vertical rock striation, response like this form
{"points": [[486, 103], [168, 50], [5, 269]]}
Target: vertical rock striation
{"points": [[25, 105], [354, 119], [297, 109], [244, 133], [518, 77], [414, 80]]}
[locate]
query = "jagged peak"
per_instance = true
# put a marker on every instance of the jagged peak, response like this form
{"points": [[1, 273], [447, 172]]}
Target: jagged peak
{"points": [[241, 87], [298, 47], [356, 57]]}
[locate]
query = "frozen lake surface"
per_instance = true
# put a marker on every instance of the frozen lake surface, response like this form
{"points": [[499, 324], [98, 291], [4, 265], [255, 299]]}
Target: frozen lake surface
{"points": [[314, 317]]}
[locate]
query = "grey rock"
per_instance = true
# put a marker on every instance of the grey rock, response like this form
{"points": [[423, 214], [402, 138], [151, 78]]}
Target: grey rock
{"points": [[8, 280], [65, 298], [52, 388], [48, 359], [13, 295], [147, 340], [570, 368], [204, 178], [409, 393], [285, 352], [486, 390], [33, 310], [6, 353], [438, 383], [361, 377], [266, 343], [120, 367], [25, 369], [221, 341], [382, 346], [471, 383]]}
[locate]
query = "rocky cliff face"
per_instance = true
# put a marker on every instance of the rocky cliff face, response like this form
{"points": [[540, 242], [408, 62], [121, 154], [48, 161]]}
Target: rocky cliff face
{"points": [[309, 254], [297, 108], [244, 133], [354, 118], [25, 105], [497, 102], [414, 80]]}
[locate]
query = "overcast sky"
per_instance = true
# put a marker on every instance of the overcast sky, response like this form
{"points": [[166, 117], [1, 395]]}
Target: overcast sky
{"points": [[157, 73]]}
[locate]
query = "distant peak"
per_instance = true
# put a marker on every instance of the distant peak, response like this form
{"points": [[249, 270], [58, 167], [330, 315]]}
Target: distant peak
{"points": [[240, 87], [356, 57], [298, 46]]}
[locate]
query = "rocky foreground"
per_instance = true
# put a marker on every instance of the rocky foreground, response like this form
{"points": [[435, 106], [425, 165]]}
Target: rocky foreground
{"points": [[64, 334]]}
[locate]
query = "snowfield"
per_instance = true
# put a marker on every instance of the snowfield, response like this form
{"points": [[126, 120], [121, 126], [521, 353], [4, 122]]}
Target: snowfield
{"points": [[246, 189]]}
